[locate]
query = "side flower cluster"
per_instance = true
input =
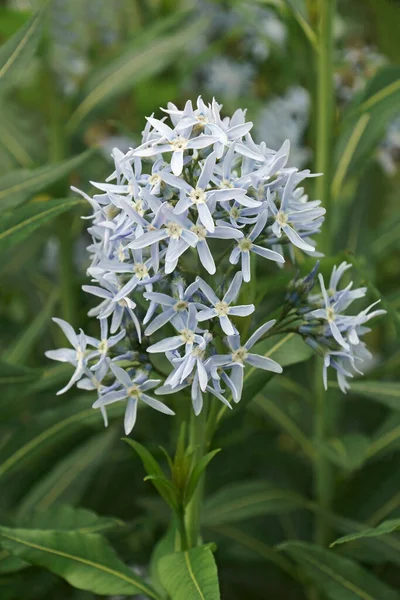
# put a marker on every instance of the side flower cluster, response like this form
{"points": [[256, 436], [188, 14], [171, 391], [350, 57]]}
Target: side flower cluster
{"points": [[329, 329], [194, 191]]}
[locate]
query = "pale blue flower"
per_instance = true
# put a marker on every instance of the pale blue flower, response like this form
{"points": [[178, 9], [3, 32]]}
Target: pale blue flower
{"points": [[103, 345], [171, 305], [222, 309], [240, 356], [246, 245], [134, 390], [110, 305], [78, 357], [187, 334], [192, 364], [293, 219], [174, 141]]}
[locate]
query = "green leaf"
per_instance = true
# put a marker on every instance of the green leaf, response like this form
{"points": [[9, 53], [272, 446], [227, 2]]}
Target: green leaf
{"points": [[275, 411], [197, 472], [22, 346], [16, 375], [387, 438], [17, 225], [16, 54], [240, 501], [10, 563], [337, 577], [155, 473], [286, 349], [366, 123], [68, 518], [154, 51], [385, 392], [18, 146], [190, 575], [348, 452], [168, 544], [18, 186], [375, 550], [69, 478], [382, 529], [299, 10], [55, 426], [11, 20], [256, 546], [85, 560]]}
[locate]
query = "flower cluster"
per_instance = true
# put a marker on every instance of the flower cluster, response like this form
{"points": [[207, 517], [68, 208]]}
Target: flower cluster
{"points": [[327, 328], [193, 193]]}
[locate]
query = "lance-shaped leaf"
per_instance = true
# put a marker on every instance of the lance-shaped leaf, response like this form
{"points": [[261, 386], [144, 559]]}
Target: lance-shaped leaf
{"points": [[366, 122], [16, 54], [11, 375], [337, 577], [191, 574], [18, 186], [156, 475], [387, 438], [37, 443], [299, 10], [197, 472], [156, 48], [245, 500], [85, 560], [348, 452], [68, 518], [17, 225], [287, 349], [24, 343], [384, 392], [274, 409], [60, 517], [383, 529], [70, 477]]}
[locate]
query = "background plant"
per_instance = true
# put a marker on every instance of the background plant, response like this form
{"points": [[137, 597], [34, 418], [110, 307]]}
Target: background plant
{"points": [[54, 451]]}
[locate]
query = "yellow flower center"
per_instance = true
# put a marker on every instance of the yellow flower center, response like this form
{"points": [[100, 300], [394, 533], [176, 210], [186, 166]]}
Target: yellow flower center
{"points": [[226, 184], [330, 314], [245, 245], [179, 144], [202, 120], [239, 355], [235, 212], [154, 179], [222, 308], [200, 231], [103, 347], [198, 196], [134, 391], [180, 306], [140, 270], [281, 218], [174, 230], [121, 253], [187, 336]]}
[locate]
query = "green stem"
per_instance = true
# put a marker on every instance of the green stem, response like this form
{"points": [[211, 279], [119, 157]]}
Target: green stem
{"points": [[325, 109], [183, 537], [197, 442], [57, 152], [323, 468]]}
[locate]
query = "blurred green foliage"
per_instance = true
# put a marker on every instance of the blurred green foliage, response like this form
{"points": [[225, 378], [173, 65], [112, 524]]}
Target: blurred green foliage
{"points": [[77, 78]]}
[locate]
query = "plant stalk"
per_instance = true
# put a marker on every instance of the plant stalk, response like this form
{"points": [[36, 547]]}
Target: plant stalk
{"points": [[57, 152], [183, 538], [197, 442], [323, 468], [325, 106]]}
